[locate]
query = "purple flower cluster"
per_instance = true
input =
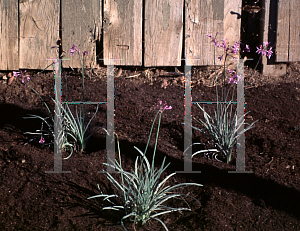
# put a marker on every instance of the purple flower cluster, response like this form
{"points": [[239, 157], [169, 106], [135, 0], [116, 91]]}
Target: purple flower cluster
{"points": [[74, 49], [163, 107], [228, 50], [23, 75], [265, 51], [42, 140], [233, 77]]}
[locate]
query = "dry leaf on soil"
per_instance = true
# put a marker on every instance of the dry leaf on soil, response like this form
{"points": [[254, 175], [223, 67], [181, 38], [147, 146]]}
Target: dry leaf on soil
{"points": [[10, 79]]}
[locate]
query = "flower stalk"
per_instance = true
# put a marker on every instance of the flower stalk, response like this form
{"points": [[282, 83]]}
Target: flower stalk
{"points": [[143, 194], [223, 130]]}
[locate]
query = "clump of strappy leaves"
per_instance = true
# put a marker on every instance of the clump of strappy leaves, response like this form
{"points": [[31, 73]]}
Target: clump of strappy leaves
{"points": [[141, 195], [223, 128]]}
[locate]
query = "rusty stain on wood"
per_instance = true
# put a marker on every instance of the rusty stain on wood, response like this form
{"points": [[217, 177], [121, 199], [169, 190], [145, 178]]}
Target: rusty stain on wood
{"points": [[81, 25], [122, 32], [9, 33], [39, 31]]}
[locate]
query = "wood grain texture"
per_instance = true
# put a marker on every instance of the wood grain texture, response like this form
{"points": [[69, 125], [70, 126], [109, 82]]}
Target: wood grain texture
{"points": [[232, 26], [163, 32], [81, 25], [232, 20], [202, 18], [283, 34], [39, 31], [9, 35], [122, 32], [294, 49], [268, 66]]}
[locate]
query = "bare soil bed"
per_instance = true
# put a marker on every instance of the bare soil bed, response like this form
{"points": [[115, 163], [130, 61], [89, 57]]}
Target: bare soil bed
{"points": [[268, 199]]}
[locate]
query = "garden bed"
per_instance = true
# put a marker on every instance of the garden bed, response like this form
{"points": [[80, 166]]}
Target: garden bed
{"points": [[268, 199]]}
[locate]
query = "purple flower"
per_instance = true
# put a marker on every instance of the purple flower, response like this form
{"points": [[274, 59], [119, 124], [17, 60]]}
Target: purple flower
{"points": [[85, 53], [16, 74], [223, 44], [213, 39], [231, 71], [42, 140], [229, 51], [73, 49], [264, 51], [234, 77], [269, 53], [163, 107], [260, 50], [235, 48], [23, 75], [247, 49], [221, 57]]}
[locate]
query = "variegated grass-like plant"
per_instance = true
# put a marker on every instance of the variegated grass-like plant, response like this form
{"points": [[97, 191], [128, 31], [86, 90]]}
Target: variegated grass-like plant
{"points": [[65, 138], [76, 130], [49, 121], [140, 191], [224, 128], [78, 127]]}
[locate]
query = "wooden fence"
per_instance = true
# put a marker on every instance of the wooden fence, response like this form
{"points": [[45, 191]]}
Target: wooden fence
{"points": [[134, 32], [281, 28]]}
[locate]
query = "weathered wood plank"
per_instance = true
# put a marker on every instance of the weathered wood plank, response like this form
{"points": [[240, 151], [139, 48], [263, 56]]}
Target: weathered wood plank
{"points": [[232, 26], [268, 66], [294, 49], [39, 31], [81, 25], [122, 32], [283, 34], [163, 32], [9, 32], [232, 20], [202, 18]]}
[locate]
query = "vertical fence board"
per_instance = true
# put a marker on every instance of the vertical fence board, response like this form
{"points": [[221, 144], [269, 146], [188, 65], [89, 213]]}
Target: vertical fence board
{"points": [[39, 30], [232, 25], [232, 20], [202, 18], [81, 25], [268, 66], [9, 35], [294, 49], [283, 25], [163, 32], [122, 32]]}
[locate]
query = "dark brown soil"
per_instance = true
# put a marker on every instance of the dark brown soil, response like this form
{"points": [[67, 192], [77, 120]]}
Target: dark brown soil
{"points": [[268, 199]]}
